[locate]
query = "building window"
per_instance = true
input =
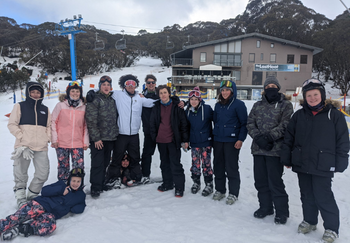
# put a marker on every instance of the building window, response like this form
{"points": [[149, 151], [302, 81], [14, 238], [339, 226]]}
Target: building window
{"points": [[272, 45], [290, 58], [273, 57], [303, 59], [203, 56], [258, 44], [261, 56], [251, 57], [227, 60]]}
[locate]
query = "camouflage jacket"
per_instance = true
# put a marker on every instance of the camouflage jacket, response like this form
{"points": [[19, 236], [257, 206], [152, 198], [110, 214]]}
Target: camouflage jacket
{"points": [[101, 118], [271, 118]]}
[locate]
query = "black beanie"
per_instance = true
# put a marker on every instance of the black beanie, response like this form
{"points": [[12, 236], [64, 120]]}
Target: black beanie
{"points": [[75, 86]]}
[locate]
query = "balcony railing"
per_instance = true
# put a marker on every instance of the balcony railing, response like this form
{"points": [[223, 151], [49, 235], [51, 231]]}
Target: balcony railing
{"points": [[203, 79], [181, 61], [228, 63]]}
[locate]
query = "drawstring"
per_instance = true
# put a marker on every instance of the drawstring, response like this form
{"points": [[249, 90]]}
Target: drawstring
{"points": [[329, 114], [276, 105]]}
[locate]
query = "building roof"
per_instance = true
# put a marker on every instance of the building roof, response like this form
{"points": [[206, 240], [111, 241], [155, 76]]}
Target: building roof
{"points": [[314, 49]]}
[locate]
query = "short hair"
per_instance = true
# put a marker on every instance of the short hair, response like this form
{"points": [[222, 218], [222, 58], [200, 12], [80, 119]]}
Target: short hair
{"points": [[151, 76], [163, 86]]}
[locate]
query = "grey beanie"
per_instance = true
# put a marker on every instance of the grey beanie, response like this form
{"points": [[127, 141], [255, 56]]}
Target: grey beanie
{"points": [[272, 80]]}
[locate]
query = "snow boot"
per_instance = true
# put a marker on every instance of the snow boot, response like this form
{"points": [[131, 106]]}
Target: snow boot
{"points": [[208, 186], [25, 229], [21, 197], [196, 184], [145, 180], [114, 183], [329, 236], [9, 234], [304, 227], [281, 219], [31, 195], [231, 199], [163, 188], [179, 193], [261, 213], [218, 196]]}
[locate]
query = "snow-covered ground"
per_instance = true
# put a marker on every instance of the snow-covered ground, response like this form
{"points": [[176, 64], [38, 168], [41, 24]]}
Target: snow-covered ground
{"points": [[143, 214]]}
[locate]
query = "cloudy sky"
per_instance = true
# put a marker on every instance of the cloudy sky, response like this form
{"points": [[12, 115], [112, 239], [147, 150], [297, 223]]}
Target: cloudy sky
{"points": [[133, 15]]}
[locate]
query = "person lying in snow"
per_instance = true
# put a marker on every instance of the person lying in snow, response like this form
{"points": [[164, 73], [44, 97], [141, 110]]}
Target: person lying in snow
{"points": [[38, 216]]}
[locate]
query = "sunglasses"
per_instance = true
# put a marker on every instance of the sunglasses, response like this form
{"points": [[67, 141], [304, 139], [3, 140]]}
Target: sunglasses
{"points": [[152, 82], [130, 83], [226, 83], [314, 81], [194, 93]]}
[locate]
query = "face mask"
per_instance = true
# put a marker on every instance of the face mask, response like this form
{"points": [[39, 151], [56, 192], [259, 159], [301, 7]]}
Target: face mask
{"points": [[272, 94]]}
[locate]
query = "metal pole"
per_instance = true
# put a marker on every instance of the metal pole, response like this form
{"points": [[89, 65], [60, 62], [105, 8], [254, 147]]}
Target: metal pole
{"points": [[345, 6], [72, 56]]}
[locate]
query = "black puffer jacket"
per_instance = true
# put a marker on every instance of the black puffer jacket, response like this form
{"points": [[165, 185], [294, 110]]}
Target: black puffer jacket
{"points": [[316, 145], [146, 112], [178, 122]]}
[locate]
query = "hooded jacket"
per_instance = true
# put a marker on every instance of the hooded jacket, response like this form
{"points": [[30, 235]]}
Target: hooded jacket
{"points": [[316, 144], [200, 124], [271, 118], [68, 126], [30, 122], [146, 111], [230, 120]]}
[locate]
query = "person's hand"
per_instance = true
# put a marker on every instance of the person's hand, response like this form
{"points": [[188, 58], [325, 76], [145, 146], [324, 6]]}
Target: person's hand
{"points": [[141, 95], [238, 144], [263, 142], [288, 167], [99, 144], [85, 147], [66, 190], [54, 145], [181, 104]]}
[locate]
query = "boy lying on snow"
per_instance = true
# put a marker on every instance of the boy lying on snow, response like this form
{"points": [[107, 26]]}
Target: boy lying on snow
{"points": [[38, 216]]}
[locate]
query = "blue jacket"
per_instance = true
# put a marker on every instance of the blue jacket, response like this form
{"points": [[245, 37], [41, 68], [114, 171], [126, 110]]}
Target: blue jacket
{"points": [[201, 125], [230, 120], [54, 202]]}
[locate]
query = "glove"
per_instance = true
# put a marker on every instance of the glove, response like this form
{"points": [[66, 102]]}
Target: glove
{"points": [[17, 152], [90, 96], [263, 142], [28, 154]]}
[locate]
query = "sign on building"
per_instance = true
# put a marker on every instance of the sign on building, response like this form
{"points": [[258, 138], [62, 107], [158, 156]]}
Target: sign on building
{"points": [[278, 67]]}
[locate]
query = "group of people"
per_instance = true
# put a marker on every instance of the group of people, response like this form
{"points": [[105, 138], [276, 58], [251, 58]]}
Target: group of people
{"points": [[314, 141]]}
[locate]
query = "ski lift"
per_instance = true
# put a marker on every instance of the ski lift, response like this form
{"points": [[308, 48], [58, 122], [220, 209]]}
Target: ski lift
{"points": [[99, 44], [345, 6], [121, 44], [169, 44], [186, 43]]}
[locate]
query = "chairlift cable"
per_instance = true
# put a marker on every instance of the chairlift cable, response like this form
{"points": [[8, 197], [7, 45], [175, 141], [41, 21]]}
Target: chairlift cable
{"points": [[123, 26]]}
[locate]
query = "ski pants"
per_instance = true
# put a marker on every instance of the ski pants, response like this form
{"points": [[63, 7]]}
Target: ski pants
{"points": [[63, 167], [32, 212], [201, 156], [316, 195], [269, 183], [149, 146]]}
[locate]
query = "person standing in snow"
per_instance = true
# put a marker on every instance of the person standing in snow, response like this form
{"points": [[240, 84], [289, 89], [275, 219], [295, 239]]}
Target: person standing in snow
{"points": [[230, 131], [38, 216], [316, 144], [267, 122], [69, 135], [101, 118], [200, 117], [30, 123], [168, 127]]}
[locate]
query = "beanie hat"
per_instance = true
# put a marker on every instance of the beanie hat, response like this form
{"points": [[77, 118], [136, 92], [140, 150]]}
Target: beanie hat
{"points": [[38, 88], [311, 84], [226, 84], [195, 93], [74, 85], [103, 79], [76, 172], [272, 80]]}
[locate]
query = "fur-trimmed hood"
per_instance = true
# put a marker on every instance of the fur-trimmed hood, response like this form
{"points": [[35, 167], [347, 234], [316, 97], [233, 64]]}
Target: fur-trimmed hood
{"points": [[335, 103], [62, 97]]}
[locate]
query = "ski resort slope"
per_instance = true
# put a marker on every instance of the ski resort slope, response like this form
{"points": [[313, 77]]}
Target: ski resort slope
{"points": [[143, 214]]}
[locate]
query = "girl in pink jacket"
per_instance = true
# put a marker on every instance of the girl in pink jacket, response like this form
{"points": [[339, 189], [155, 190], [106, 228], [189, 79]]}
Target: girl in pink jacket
{"points": [[69, 134]]}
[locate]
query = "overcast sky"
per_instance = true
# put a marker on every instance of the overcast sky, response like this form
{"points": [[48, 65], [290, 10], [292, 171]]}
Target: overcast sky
{"points": [[152, 15]]}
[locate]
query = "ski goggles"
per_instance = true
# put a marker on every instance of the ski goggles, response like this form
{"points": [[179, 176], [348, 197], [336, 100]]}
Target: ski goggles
{"points": [[312, 84], [194, 93], [72, 84], [151, 82], [312, 81], [226, 83], [78, 172], [105, 78], [130, 83]]}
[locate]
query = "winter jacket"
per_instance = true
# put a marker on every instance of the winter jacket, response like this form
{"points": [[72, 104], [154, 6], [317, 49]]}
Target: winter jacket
{"points": [[271, 118], [230, 120], [130, 109], [178, 122], [54, 202], [200, 123], [101, 118], [316, 144], [146, 112], [68, 126], [30, 122]]}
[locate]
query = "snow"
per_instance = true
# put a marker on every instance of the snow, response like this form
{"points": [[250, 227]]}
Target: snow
{"points": [[143, 214]]}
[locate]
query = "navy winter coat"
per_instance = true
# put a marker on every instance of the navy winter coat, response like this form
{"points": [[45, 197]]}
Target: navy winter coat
{"points": [[54, 202], [230, 120], [200, 125]]}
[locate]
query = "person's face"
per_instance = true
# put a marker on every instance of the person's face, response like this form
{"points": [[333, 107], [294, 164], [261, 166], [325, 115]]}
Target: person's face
{"points": [[194, 101], [130, 89], [164, 95], [150, 84], [35, 94], [271, 86], [75, 182], [105, 88], [125, 162], [74, 94], [313, 97], [226, 93]]}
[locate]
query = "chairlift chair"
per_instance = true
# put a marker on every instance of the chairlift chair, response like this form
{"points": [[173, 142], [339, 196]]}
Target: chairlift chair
{"points": [[121, 44], [187, 43], [169, 44], [99, 44]]}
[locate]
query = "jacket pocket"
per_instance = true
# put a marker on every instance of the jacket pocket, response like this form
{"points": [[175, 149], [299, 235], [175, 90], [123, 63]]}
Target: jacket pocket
{"points": [[230, 131], [296, 156], [326, 161]]}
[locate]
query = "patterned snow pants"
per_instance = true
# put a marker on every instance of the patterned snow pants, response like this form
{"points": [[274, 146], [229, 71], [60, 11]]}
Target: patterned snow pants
{"points": [[201, 156], [63, 168], [41, 222]]}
